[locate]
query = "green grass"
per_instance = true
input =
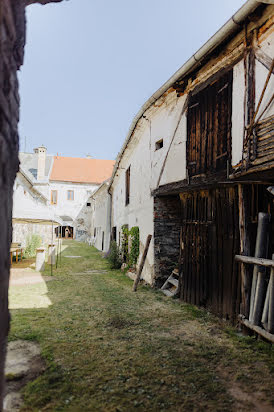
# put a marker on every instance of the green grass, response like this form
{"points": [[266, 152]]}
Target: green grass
{"points": [[109, 349]]}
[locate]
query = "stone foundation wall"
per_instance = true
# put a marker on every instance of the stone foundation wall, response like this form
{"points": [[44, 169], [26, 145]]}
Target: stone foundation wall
{"points": [[21, 232], [167, 215]]}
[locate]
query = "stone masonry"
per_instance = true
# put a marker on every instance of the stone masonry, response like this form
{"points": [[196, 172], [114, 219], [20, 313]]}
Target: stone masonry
{"points": [[167, 221]]}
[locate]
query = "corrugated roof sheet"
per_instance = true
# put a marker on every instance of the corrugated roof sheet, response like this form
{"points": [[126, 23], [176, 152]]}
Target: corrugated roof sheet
{"points": [[81, 170]]}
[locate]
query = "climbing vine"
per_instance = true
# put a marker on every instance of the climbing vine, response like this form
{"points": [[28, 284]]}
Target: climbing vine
{"points": [[130, 245], [125, 238], [134, 250]]}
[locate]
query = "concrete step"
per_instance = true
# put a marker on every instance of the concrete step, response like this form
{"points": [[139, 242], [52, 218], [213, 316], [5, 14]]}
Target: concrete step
{"points": [[167, 292], [174, 282]]}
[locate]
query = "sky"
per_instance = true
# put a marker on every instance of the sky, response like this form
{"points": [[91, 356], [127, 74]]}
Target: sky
{"points": [[91, 64]]}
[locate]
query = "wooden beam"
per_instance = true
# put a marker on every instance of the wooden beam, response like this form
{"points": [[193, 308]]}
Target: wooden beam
{"points": [[255, 261], [257, 329], [142, 264], [244, 249]]}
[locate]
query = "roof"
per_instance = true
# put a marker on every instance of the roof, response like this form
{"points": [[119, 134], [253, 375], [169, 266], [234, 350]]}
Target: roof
{"points": [[233, 24], [28, 178], [29, 164], [81, 170]]}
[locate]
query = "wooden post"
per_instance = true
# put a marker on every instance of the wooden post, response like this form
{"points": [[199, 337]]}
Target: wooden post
{"points": [[180, 262], [244, 250], [271, 301], [258, 281], [264, 320], [142, 264]]}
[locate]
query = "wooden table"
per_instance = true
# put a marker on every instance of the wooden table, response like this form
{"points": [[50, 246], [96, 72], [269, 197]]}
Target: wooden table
{"points": [[16, 250]]}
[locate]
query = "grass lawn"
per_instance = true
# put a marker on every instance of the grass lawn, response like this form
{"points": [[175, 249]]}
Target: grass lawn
{"points": [[109, 349]]}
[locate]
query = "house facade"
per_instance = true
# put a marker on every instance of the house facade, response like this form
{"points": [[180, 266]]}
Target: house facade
{"points": [[65, 184], [31, 212], [100, 217], [198, 150]]}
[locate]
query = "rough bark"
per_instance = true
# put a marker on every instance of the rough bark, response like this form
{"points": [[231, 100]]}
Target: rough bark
{"points": [[12, 41]]}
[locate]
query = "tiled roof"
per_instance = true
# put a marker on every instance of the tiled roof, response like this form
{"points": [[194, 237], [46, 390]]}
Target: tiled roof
{"points": [[29, 164], [81, 170]]}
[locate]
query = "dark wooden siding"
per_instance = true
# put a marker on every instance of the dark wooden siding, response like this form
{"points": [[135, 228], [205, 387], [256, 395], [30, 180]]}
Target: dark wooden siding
{"points": [[262, 142], [209, 128], [210, 229]]}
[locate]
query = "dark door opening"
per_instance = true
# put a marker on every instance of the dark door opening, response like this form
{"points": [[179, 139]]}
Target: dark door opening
{"points": [[103, 240], [65, 232]]}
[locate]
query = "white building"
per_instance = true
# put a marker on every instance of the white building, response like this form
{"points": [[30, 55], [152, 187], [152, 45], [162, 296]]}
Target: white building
{"points": [[195, 150], [100, 217], [65, 184], [31, 212]]}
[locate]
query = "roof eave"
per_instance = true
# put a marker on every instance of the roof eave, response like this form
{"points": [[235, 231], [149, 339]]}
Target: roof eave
{"points": [[219, 37]]}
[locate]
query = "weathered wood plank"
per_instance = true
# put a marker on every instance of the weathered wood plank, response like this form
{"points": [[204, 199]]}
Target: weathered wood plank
{"points": [[255, 261]]}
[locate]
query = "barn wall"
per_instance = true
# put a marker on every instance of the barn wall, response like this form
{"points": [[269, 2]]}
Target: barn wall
{"points": [[145, 169]]}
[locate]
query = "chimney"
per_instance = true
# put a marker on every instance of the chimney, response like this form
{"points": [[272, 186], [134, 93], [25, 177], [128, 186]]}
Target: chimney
{"points": [[41, 152]]}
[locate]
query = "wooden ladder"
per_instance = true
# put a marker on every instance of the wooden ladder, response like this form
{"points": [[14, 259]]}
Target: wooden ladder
{"points": [[171, 286]]}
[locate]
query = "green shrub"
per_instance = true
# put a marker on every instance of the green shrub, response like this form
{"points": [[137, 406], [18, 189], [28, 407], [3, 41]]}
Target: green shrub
{"points": [[33, 242], [134, 249], [114, 257], [125, 236]]}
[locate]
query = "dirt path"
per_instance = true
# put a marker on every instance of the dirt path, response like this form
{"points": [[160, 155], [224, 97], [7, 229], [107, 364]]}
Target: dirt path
{"points": [[107, 349]]}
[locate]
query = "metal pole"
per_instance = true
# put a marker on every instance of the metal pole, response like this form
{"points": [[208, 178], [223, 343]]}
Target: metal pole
{"points": [[60, 244], [51, 244]]}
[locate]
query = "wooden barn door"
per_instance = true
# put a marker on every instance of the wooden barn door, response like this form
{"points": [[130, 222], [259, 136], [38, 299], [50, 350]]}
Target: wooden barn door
{"points": [[210, 237]]}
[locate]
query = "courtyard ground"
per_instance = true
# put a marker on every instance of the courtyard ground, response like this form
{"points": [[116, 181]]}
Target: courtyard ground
{"points": [[106, 348]]}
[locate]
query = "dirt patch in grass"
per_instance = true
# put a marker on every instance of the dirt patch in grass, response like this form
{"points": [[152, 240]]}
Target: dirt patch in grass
{"points": [[109, 349], [119, 323], [23, 364]]}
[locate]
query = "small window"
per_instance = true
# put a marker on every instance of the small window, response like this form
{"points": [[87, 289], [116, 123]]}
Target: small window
{"points": [[114, 233], [54, 197], [88, 204], [127, 185], [70, 194], [94, 231], [159, 144]]}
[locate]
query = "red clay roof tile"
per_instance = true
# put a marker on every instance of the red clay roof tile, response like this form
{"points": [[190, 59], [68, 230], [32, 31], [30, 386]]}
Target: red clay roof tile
{"points": [[81, 170]]}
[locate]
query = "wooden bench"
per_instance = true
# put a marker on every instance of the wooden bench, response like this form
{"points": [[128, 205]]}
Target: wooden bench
{"points": [[16, 248]]}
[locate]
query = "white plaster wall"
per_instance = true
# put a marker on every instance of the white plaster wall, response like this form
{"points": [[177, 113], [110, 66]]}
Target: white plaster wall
{"points": [[101, 218], [238, 108], [21, 232], [145, 163], [76, 209], [261, 74], [71, 207], [26, 203], [175, 168]]}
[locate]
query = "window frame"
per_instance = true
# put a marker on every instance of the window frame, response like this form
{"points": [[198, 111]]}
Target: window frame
{"points": [[51, 197], [127, 186], [68, 195]]}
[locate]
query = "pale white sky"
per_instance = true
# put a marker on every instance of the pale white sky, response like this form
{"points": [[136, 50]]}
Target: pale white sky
{"points": [[91, 64]]}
